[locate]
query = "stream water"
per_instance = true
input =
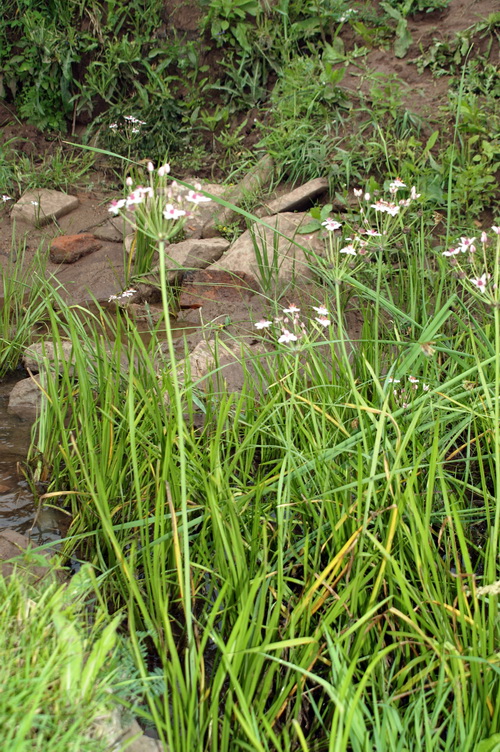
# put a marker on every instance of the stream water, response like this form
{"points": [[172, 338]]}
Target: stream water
{"points": [[17, 508]]}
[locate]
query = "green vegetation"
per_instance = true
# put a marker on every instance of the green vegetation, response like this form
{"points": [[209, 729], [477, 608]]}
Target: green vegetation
{"points": [[310, 563], [57, 675]]}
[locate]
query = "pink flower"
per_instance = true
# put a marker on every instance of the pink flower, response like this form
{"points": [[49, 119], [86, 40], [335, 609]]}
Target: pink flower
{"points": [[331, 224], [292, 309], [405, 202], [480, 282], [197, 198], [372, 233], [115, 206], [321, 310], [349, 249], [263, 324], [287, 337], [385, 206], [323, 320], [452, 251], [170, 212], [396, 185], [484, 238], [467, 244]]}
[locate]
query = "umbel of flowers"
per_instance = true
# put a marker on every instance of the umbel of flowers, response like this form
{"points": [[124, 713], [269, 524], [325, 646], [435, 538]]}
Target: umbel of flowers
{"points": [[156, 211]]}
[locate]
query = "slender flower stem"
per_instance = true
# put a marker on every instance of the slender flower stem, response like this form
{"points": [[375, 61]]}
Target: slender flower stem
{"points": [[185, 575]]}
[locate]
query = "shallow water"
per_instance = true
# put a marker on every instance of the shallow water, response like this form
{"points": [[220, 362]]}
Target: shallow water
{"points": [[17, 508]]}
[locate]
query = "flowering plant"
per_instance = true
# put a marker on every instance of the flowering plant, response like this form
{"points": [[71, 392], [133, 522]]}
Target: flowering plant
{"points": [[155, 212]]}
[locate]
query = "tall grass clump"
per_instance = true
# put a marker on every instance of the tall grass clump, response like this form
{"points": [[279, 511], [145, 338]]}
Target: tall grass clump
{"points": [[59, 671], [316, 567]]}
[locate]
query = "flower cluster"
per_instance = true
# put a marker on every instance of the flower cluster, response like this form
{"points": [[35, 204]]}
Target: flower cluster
{"points": [[477, 262], [364, 240], [402, 394], [134, 122], [122, 296], [175, 201], [289, 325]]}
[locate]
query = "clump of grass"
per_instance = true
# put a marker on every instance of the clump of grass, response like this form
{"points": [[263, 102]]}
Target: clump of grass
{"points": [[316, 567], [58, 671]]}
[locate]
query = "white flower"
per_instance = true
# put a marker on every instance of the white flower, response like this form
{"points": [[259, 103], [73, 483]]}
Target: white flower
{"points": [[170, 212], [197, 198], [396, 185], [392, 380], [385, 206], [134, 198], [484, 238], [358, 192], [413, 380], [321, 310], [480, 282], [150, 167], [452, 251], [292, 309], [425, 387], [129, 182], [287, 337], [115, 206], [163, 170], [263, 324], [373, 233], [323, 320], [331, 224], [113, 126], [495, 229], [6, 198], [413, 193], [367, 197], [349, 249]]}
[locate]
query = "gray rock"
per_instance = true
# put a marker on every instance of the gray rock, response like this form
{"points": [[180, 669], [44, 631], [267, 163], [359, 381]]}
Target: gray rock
{"points": [[15, 546], [253, 180], [141, 743], [25, 399], [111, 230], [298, 199], [41, 206], [204, 213], [192, 254], [42, 355], [284, 257], [230, 357]]}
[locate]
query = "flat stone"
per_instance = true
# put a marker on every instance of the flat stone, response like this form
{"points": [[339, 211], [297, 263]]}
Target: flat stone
{"points": [[41, 206], [201, 286], [229, 357], [13, 545], [25, 399], [41, 356], [284, 257], [111, 230], [258, 176], [204, 212], [298, 199], [66, 249], [192, 254]]}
